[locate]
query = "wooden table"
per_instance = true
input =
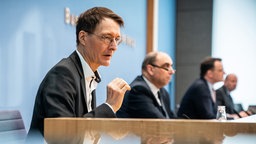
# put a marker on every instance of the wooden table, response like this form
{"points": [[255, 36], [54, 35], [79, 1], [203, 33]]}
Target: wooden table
{"points": [[149, 131]]}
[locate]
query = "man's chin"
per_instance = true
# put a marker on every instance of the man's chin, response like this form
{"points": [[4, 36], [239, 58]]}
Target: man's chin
{"points": [[106, 64]]}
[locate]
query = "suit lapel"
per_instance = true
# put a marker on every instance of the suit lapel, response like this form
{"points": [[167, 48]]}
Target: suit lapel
{"points": [[152, 96], [75, 58], [162, 99], [214, 104]]}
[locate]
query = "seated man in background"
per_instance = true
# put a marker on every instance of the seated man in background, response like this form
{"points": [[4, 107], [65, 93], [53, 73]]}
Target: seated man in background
{"points": [[199, 102], [148, 98], [224, 98]]}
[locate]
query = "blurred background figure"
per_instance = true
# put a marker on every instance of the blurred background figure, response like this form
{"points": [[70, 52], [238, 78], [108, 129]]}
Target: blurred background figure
{"points": [[148, 98], [199, 102], [224, 98]]}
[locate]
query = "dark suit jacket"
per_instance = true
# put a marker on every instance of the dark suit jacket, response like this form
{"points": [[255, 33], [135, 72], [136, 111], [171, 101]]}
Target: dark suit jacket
{"points": [[223, 98], [197, 102], [140, 102], [62, 93]]}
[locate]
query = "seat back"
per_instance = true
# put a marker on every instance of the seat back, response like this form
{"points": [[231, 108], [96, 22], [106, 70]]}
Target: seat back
{"points": [[12, 129], [238, 107], [252, 109]]}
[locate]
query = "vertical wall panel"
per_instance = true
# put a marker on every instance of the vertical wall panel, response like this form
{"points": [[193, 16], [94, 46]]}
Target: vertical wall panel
{"points": [[193, 41]]}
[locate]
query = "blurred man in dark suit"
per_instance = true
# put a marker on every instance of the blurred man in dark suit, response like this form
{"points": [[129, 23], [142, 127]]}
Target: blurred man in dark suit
{"points": [[199, 101], [224, 98], [148, 98]]}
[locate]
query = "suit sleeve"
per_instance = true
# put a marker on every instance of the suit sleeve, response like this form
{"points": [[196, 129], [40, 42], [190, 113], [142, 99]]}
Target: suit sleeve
{"points": [[102, 111], [59, 92]]}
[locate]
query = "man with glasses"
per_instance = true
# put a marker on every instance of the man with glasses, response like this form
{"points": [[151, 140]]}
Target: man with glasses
{"points": [[199, 101], [68, 89], [148, 98]]}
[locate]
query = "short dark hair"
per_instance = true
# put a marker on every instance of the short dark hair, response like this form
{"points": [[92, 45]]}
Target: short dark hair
{"points": [[207, 64], [88, 20]]}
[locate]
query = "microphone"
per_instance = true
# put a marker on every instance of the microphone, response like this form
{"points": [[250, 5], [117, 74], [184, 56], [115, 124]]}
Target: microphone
{"points": [[187, 117]]}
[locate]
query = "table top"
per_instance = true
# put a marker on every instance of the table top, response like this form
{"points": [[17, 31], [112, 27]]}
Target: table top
{"points": [[103, 130]]}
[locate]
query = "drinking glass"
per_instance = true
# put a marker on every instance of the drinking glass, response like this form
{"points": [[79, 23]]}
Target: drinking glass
{"points": [[221, 113]]}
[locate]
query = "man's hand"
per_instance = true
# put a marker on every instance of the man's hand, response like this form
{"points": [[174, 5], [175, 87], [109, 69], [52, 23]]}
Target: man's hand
{"points": [[244, 113], [115, 93]]}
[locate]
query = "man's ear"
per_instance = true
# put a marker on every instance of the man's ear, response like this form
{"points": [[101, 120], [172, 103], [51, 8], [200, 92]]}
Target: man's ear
{"points": [[150, 69], [209, 73], [82, 37]]}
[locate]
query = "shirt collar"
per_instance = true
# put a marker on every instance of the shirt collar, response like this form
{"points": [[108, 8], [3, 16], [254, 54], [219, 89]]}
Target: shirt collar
{"points": [[88, 73], [210, 86], [153, 88]]}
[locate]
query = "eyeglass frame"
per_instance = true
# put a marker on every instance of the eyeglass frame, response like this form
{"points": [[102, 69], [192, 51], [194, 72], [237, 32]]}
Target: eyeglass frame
{"points": [[107, 39], [164, 68]]}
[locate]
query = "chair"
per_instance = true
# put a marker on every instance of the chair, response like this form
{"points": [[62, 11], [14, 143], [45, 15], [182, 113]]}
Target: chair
{"points": [[12, 129], [238, 107], [252, 109]]}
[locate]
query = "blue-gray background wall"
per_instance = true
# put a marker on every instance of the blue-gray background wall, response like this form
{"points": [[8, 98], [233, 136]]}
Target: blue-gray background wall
{"points": [[34, 37]]}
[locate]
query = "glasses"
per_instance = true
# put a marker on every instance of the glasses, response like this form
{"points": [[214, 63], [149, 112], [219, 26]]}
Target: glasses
{"points": [[107, 39], [168, 69]]}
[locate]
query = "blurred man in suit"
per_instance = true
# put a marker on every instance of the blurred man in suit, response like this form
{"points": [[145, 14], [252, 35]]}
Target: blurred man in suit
{"points": [[224, 98], [199, 101], [148, 98]]}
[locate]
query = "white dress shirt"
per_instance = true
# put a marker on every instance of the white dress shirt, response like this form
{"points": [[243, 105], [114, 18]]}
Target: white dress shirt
{"points": [[213, 93]]}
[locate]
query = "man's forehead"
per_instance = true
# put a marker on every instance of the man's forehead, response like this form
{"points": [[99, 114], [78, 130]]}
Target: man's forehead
{"points": [[163, 57], [218, 64]]}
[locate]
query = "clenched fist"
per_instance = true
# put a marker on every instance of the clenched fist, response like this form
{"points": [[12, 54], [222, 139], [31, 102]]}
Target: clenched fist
{"points": [[115, 93]]}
